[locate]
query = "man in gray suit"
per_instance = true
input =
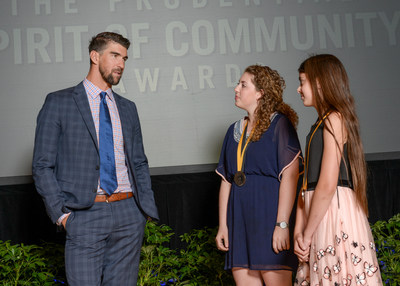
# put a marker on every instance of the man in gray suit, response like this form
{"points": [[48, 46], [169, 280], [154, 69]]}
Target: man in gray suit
{"points": [[95, 181]]}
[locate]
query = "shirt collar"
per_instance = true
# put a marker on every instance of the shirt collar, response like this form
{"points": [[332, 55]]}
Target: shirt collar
{"points": [[93, 91]]}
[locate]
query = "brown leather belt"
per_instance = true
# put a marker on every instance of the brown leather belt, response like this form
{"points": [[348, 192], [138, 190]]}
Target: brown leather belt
{"points": [[113, 198]]}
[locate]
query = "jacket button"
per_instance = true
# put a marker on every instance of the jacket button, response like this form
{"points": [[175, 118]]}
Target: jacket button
{"points": [[94, 191], [97, 167]]}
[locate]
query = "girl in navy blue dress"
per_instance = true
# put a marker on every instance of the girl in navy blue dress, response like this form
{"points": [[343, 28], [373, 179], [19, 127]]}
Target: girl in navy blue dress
{"points": [[259, 166]]}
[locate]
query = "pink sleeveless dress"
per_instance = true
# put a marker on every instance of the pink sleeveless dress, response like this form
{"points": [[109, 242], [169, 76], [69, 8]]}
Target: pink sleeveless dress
{"points": [[342, 247]]}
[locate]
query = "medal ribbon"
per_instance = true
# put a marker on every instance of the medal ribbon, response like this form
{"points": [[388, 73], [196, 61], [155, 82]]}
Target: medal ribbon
{"points": [[304, 188], [240, 150]]}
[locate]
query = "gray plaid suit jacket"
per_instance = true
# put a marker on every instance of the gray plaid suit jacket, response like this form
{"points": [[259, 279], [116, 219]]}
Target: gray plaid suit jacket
{"points": [[66, 159]]}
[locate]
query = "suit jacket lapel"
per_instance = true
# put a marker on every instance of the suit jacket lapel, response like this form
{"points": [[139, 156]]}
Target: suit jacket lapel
{"points": [[126, 121], [82, 103]]}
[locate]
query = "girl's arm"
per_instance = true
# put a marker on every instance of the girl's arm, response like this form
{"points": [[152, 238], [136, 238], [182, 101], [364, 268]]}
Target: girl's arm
{"points": [[287, 195], [329, 174], [301, 219], [221, 239]]}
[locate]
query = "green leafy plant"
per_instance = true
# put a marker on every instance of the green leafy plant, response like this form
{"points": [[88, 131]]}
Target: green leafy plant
{"points": [[387, 241], [23, 265], [199, 263], [54, 256], [202, 263], [158, 263]]}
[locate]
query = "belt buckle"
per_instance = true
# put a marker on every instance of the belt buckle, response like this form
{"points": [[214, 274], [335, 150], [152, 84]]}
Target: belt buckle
{"points": [[107, 196]]}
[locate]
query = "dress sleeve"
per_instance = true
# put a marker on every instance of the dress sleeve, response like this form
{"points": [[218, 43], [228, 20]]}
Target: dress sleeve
{"points": [[288, 146], [222, 164]]}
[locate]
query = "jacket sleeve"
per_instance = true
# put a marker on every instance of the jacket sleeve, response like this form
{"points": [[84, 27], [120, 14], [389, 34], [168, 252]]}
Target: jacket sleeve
{"points": [[48, 132], [140, 168]]}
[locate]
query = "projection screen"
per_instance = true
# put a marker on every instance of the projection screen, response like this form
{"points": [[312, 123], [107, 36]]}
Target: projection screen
{"points": [[185, 59]]}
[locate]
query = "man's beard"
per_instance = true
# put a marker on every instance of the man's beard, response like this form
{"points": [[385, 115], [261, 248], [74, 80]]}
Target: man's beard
{"points": [[109, 77]]}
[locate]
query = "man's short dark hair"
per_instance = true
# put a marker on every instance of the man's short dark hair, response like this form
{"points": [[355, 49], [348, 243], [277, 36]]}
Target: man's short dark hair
{"points": [[100, 41]]}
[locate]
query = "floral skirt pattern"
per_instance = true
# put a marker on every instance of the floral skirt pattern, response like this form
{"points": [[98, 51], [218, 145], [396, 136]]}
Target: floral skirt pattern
{"points": [[342, 247]]}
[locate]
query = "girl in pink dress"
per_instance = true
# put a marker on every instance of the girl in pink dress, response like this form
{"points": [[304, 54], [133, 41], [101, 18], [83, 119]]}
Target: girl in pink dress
{"points": [[333, 240]]}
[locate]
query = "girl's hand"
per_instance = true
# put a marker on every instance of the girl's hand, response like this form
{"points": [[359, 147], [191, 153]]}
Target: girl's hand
{"points": [[302, 248], [280, 239], [221, 239]]}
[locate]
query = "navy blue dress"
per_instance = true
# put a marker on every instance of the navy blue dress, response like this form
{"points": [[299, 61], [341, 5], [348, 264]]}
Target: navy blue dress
{"points": [[253, 207]]}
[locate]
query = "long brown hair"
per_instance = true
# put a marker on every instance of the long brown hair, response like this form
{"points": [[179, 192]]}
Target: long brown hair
{"points": [[272, 85], [331, 92]]}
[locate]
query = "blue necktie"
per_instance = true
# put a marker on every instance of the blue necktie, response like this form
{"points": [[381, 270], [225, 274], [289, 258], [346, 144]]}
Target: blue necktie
{"points": [[108, 174]]}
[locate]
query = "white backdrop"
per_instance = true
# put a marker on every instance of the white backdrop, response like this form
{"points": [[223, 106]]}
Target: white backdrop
{"points": [[185, 59]]}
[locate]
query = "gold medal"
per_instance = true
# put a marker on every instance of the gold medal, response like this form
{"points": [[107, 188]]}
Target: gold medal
{"points": [[239, 178]]}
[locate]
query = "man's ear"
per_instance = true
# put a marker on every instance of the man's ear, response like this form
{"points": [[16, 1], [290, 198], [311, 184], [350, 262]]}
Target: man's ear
{"points": [[94, 57]]}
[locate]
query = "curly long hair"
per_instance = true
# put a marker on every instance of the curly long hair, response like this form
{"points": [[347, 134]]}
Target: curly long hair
{"points": [[331, 92], [271, 84]]}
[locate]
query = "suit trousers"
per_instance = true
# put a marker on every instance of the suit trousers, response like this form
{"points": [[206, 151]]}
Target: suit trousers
{"points": [[103, 244]]}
